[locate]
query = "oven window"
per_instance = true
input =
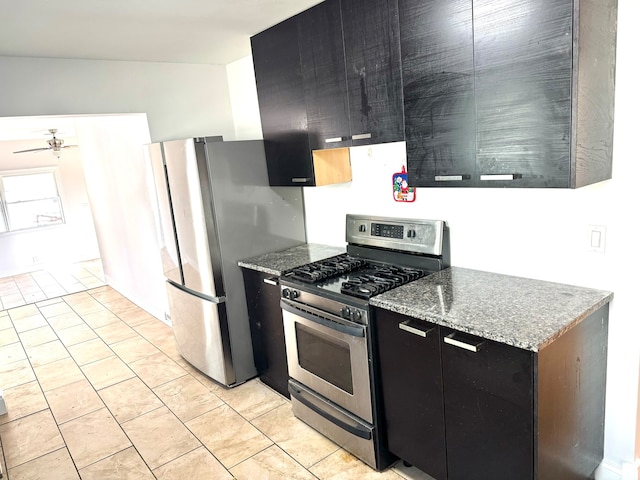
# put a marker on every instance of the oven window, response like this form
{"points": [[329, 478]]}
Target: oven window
{"points": [[325, 357]]}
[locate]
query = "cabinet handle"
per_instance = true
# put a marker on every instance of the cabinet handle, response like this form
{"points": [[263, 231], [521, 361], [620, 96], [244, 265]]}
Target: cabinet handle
{"points": [[510, 176], [457, 343], [414, 329], [361, 136], [300, 179], [451, 178], [271, 280], [333, 140]]}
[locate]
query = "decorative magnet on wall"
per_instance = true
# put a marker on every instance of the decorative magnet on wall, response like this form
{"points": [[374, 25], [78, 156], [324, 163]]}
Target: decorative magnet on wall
{"points": [[402, 192]]}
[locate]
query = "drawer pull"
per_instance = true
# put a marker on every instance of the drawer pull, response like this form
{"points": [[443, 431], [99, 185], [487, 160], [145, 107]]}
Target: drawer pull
{"points": [[414, 329], [271, 280], [300, 180], [510, 176], [457, 343], [361, 136], [451, 178], [333, 140]]}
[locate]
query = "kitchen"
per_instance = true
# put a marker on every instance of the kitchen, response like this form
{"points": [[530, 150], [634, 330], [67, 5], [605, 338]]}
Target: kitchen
{"points": [[510, 215]]}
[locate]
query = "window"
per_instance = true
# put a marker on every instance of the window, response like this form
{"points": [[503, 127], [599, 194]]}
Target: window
{"points": [[29, 200]]}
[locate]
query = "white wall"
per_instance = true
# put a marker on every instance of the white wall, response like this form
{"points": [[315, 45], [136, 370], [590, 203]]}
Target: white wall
{"points": [[72, 242], [538, 233], [180, 100]]}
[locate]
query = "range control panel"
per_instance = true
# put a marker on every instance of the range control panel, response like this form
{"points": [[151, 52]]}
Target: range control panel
{"points": [[409, 235]]}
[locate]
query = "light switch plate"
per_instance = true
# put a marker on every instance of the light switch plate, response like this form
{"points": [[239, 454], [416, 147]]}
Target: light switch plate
{"points": [[596, 238]]}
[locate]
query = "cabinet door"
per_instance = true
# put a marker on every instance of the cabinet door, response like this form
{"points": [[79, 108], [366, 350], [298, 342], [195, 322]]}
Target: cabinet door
{"points": [[523, 61], [488, 395], [437, 69], [372, 54], [267, 330], [276, 61], [323, 72], [411, 384]]}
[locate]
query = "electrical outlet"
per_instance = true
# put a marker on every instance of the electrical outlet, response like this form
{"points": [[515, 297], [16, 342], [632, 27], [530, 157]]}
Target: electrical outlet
{"points": [[596, 238]]}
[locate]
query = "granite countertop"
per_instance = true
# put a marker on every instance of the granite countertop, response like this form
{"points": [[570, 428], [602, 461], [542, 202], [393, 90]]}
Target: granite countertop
{"points": [[276, 263], [517, 311]]}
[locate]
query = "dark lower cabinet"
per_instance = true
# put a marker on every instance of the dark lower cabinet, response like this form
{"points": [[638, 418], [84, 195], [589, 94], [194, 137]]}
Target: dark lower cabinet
{"points": [[409, 354], [488, 395], [461, 407], [267, 331]]}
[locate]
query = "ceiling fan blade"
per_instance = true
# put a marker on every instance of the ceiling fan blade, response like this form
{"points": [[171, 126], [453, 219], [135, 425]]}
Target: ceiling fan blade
{"points": [[33, 150], [69, 146]]}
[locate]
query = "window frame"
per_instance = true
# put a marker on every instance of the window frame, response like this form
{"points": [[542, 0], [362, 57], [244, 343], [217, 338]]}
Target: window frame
{"points": [[5, 224]]}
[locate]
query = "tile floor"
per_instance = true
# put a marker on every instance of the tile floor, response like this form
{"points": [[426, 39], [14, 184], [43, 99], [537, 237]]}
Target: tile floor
{"points": [[96, 389]]}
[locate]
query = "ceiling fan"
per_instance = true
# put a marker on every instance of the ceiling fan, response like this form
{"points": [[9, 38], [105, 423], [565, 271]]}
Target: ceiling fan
{"points": [[55, 145]]}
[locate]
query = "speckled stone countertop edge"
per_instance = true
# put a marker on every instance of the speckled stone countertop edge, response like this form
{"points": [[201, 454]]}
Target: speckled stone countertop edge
{"points": [[277, 263]]}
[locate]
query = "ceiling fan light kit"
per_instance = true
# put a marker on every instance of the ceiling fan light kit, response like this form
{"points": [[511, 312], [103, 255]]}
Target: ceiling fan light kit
{"points": [[55, 145]]}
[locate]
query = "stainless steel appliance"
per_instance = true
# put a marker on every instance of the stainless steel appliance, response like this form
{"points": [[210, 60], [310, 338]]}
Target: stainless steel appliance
{"points": [[215, 208], [330, 346]]}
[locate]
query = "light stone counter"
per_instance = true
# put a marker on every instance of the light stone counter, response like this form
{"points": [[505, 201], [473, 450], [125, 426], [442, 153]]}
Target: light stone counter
{"points": [[517, 311], [276, 263]]}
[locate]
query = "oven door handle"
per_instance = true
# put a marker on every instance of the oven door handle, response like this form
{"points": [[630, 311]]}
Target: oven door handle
{"points": [[331, 321], [342, 421]]}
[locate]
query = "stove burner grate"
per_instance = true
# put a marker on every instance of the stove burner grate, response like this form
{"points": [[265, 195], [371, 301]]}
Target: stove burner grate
{"points": [[379, 280], [328, 268]]}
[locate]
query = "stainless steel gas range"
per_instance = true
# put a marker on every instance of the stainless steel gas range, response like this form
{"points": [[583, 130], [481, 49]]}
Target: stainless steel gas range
{"points": [[330, 344]]}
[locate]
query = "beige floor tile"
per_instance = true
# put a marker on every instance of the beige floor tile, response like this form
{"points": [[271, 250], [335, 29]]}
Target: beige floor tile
{"points": [[106, 372], [56, 465], [46, 303], [30, 322], [227, 435], [30, 437], [252, 399], [154, 330], [76, 334], [409, 473], [65, 320], [157, 369], [160, 437], [23, 400], [47, 353], [270, 463], [129, 399], [187, 398], [124, 465], [116, 332], [133, 349], [34, 296], [77, 298], [55, 309], [25, 311], [90, 351], [93, 437], [135, 316], [119, 305], [73, 400], [343, 466], [10, 353], [57, 374], [299, 440], [100, 318], [88, 307], [198, 464], [16, 373], [8, 336], [38, 336], [5, 321]]}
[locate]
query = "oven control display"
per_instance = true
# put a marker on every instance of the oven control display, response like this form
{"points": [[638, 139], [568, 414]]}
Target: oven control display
{"points": [[386, 230]]}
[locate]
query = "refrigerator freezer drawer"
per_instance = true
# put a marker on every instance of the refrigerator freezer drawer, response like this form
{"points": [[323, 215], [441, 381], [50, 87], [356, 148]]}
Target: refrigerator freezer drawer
{"points": [[199, 327]]}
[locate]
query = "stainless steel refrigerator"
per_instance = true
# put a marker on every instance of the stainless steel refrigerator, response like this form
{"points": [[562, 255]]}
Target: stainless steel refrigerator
{"points": [[215, 208]]}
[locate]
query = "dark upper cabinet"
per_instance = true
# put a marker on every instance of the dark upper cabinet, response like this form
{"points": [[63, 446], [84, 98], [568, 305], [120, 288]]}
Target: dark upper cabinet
{"points": [[438, 84], [324, 76], [508, 93], [374, 78], [523, 78], [283, 111]]}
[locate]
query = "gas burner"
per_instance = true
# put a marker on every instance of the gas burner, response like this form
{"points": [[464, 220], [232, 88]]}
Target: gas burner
{"points": [[377, 280], [325, 269]]}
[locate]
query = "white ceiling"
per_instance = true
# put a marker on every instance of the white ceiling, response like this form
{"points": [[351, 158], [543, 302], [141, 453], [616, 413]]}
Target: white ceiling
{"points": [[182, 31]]}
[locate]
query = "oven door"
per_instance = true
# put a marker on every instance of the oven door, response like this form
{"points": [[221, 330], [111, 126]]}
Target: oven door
{"points": [[329, 355]]}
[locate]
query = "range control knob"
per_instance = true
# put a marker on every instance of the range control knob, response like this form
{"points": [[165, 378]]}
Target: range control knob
{"points": [[286, 293], [362, 228], [294, 294], [346, 312]]}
